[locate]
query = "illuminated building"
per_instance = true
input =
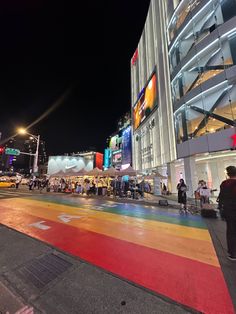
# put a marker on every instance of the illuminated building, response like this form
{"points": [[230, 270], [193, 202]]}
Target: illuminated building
{"points": [[118, 153], [190, 44]]}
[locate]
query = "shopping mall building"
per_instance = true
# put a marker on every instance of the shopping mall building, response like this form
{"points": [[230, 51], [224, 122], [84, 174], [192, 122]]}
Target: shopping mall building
{"points": [[183, 89]]}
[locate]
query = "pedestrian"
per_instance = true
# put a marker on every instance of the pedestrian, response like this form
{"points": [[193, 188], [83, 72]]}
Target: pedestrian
{"points": [[18, 181], [204, 193], [227, 199], [182, 196], [164, 189], [31, 184]]}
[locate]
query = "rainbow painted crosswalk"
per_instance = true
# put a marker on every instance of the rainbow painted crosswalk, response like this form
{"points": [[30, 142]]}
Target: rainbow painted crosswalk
{"points": [[170, 254]]}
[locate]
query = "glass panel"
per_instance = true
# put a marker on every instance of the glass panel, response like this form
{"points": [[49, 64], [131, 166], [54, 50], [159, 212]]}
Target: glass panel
{"points": [[196, 120], [199, 28], [227, 106], [212, 112], [228, 9], [177, 89], [202, 69], [180, 16], [179, 128], [232, 45]]}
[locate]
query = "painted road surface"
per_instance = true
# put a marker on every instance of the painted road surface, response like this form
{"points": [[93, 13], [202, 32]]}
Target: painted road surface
{"points": [[163, 251]]}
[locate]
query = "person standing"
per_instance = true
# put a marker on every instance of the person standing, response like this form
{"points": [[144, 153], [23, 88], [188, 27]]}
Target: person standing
{"points": [[204, 193], [182, 196], [18, 181], [227, 198]]}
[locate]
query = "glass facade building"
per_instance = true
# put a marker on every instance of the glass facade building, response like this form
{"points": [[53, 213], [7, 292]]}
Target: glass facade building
{"points": [[198, 38], [151, 111], [202, 42]]}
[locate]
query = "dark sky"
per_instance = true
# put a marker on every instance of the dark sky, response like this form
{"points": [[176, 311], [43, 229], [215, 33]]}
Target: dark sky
{"points": [[47, 47]]}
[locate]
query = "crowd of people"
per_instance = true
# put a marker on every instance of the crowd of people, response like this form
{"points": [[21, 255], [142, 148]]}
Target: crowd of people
{"points": [[37, 183], [102, 186]]}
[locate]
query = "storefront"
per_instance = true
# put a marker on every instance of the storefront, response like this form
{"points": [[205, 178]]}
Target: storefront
{"points": [[207, 167]]}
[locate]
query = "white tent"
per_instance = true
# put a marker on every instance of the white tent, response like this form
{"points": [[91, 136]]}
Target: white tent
{"points": [[128, 172], [81, 172], [70, 173], [58, 174], [94, 172], [111, 172]]}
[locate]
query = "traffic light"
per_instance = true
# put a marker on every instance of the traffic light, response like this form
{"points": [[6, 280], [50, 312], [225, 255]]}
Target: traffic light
{"points": [[2, 150]]}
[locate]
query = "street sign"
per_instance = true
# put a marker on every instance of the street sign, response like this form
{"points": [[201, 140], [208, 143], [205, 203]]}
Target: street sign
{"points": [[12, 151]]}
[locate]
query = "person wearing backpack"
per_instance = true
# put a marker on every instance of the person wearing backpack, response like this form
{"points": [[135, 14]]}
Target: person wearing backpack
{"points": [[227, 199]]}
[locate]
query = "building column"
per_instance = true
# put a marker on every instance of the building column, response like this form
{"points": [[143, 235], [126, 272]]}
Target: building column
{"points": [[171, 175], [191, 179]]}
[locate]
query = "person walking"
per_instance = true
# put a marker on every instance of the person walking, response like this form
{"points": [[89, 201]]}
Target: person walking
{"points": [[182, 196], [227, 198], [18, 181]]}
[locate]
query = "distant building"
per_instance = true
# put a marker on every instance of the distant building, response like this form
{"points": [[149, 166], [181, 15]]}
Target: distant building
{"points": [[22, 163], [95, 157], [118, 151]]}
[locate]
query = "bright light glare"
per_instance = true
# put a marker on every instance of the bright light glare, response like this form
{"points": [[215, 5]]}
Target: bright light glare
{"points": [[22, 131]]}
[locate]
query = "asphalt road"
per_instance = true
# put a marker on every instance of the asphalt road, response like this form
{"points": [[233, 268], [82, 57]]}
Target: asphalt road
{"points": [[143, 250]]}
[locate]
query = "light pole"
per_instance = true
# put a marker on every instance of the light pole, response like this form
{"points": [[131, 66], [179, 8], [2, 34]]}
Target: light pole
{"points": [[36, 155]]}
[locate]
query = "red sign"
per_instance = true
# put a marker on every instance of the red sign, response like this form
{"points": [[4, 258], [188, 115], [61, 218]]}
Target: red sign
{"points": [[99, 160], [234, 140], [135, 57]]}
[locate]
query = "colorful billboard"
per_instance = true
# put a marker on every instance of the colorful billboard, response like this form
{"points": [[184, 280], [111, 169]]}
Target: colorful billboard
{"points": [[114, 142], [126, 146], [99, 160], [116, 158], [146, 102], [107, 158]]}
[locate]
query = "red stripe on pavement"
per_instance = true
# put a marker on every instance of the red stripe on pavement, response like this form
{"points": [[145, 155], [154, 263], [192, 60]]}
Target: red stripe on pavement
{"points": [[186, 281]]}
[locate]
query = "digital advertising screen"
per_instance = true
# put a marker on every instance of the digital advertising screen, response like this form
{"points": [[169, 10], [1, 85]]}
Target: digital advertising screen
{"points": [[99, 160], [114, 142], [107, 158], [126, 146], [146, 102], [116, 157]]}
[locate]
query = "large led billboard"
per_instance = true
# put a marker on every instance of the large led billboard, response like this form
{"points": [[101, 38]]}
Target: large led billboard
{"points": [[99, 160], [126, 146], [107, 158], [146, 102], [113, 144]]}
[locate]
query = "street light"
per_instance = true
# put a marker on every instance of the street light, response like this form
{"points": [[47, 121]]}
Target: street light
{"points": [[36, 155]]}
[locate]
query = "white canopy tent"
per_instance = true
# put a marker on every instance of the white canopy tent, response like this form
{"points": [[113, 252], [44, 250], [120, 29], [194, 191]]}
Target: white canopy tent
{"points": [[94, 172], [111, 172], [128, 172]]}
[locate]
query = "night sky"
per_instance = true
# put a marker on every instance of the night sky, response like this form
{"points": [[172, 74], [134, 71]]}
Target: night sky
{"points": [[48, 48]]}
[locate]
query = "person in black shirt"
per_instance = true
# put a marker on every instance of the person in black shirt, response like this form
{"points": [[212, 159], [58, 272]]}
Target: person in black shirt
{"points": [[182, 197], [227, 198]]}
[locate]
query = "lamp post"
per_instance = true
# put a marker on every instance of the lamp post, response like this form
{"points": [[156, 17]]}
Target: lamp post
{"points": [[36, 155]]}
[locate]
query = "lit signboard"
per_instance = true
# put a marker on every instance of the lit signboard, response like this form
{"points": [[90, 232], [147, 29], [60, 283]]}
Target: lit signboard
{"points": [[116, 157], [107, 158], [126, 146], [114, 142], [99, 160], [146, 102], [12, 151]]}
